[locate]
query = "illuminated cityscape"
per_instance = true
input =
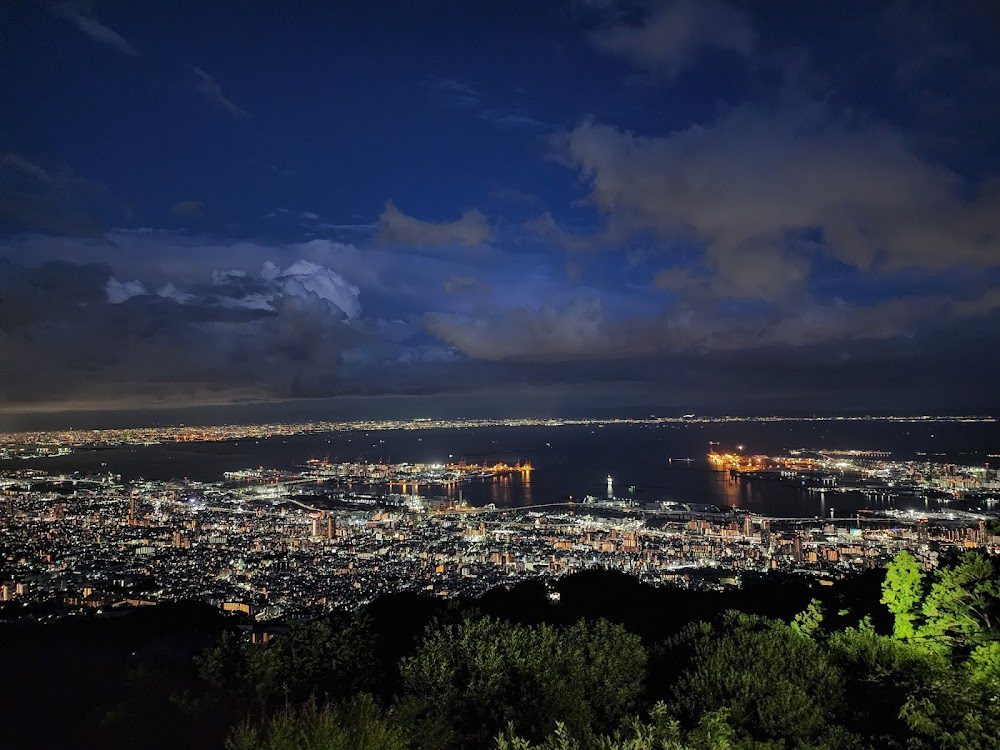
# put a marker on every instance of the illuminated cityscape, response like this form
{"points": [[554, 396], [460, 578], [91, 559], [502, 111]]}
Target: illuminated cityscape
{"points": [[271, 543]]}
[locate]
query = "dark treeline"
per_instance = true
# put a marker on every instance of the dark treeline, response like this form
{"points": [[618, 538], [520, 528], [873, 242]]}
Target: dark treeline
{"points": [[903, 658]]}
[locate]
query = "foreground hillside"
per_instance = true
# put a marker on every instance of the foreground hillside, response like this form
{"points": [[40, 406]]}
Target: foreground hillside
{"points": [[596, 660]]}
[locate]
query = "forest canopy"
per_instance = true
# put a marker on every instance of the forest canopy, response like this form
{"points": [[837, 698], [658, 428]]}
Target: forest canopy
{"points": [[904, 658]]}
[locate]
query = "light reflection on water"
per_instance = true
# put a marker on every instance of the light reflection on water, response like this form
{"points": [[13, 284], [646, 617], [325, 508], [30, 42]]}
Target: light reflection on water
{"points": [[574, 461]]}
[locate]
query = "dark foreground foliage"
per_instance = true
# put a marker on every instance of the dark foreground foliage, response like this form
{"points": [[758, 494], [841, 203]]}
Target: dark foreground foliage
{"points": [[904, 659]]}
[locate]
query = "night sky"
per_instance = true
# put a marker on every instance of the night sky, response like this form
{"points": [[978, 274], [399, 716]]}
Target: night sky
{"points": [[520, 207]]}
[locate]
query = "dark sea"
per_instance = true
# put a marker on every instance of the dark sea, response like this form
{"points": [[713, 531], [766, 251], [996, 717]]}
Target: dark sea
{"points": [[575, 461]]}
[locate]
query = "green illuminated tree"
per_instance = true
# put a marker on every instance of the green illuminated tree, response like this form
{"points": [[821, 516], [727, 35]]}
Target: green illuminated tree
{"points": [[951, 690], [957, 707], [961, 608], [810, 620], [660, 732], [984, 668], [902, 593], [957, 607]]}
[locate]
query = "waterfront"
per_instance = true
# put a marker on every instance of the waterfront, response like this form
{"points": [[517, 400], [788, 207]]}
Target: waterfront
{"points": [[575, 460], [287, 520]]}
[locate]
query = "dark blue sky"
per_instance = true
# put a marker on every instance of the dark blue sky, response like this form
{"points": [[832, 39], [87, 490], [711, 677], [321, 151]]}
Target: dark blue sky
{"points": [[499, 207]]}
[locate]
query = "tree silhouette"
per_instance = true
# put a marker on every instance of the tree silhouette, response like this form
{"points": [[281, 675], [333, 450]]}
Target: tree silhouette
{"points": [[777, 684], [483, 674]]}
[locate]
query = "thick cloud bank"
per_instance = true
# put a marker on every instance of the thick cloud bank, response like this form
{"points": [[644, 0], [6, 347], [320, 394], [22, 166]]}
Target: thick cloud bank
{"points": [[760, 190]]}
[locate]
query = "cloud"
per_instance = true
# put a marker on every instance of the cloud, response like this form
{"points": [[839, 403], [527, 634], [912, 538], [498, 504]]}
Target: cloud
{"points": [[235, 288], [169, 291], [95, 30], [542, 334], [392, 275], [511, 119], [156, 324], [464, 96], [77, 333], [674, 279], [189, 209], [222, 278], [763, 191], [313, 223], [455, 91], [583, 329], [465, 285], [54, 201], [547, 227], [219, 320], [675, 32], [210, 89], [360, 228], [303, 278], [11, 164], [986, 304], [122, 291], [396, 227], [52, 289]]}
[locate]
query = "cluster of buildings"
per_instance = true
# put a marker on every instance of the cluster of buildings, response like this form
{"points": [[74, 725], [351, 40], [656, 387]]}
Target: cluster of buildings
{"points": [[260, 544], [867, 472]]}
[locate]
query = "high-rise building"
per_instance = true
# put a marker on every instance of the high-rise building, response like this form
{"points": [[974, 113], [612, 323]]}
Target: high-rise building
{"points": [[923, 532]]}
